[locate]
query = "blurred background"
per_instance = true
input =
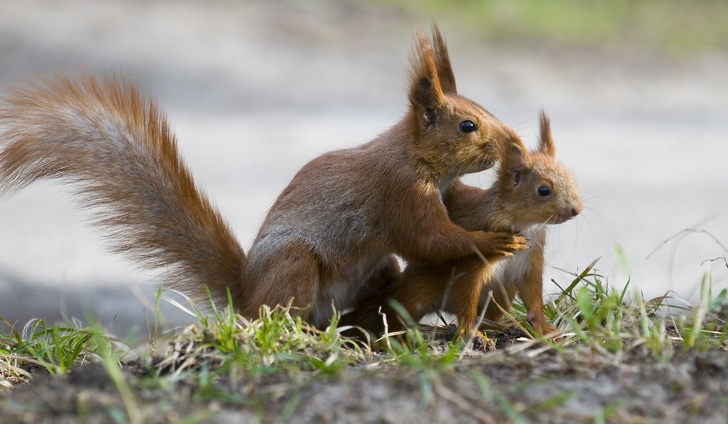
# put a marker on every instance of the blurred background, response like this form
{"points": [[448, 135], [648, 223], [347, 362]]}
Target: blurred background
{"points": [[637, 93]]}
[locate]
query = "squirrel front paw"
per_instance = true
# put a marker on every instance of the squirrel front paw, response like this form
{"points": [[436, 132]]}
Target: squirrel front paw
{"points": [[504, 244]]}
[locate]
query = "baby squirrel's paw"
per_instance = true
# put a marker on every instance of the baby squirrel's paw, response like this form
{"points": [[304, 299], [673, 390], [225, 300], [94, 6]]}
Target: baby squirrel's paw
{"points": [[466, 333], [541, 326], [550, 330]]}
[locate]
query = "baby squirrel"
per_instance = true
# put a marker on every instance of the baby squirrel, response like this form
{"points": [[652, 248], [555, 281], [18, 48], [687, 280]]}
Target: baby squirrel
{"points": [[331, 235], [531, 190]]}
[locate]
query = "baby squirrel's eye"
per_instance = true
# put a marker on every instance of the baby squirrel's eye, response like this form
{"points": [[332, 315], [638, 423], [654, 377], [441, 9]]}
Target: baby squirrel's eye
{"points": [[544, 191], [468, 126]]}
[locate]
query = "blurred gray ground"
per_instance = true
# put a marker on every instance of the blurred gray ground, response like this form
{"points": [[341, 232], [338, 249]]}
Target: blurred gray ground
{"points": [[256, 89]]}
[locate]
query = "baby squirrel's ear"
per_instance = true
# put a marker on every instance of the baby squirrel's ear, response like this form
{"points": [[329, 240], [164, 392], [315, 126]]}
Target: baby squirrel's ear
{"points": [[545, 141], [425, 93], [442, 62]]}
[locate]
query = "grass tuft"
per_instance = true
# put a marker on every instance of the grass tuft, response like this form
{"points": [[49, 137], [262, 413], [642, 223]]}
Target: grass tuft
{"points": [[277, 339], [54, 348]]}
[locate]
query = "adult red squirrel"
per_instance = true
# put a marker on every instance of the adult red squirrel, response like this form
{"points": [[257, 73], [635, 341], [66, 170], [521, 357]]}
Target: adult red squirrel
{"points": [[531, 190], [331, 235]]}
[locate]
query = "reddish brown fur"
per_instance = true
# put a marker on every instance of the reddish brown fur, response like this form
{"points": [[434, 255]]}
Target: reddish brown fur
{"points": [[331, 234], [153, 211], [512, 203]]}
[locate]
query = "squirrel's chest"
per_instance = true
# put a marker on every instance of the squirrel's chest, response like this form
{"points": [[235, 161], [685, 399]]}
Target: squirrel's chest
{"points": [[514, 269]]}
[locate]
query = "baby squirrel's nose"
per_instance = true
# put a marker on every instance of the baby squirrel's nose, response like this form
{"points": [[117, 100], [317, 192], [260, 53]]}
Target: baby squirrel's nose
{"points": [[576, 209]]}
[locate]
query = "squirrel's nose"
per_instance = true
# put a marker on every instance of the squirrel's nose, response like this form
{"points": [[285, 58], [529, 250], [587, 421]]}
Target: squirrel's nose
{"points": [[576, 209]]}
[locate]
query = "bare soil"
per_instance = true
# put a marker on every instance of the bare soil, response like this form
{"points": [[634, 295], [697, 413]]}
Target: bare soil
{"points": [[506, 385]]}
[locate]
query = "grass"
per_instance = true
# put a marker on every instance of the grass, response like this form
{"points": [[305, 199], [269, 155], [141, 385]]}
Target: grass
{"points": [[672, 26], [55, 348], [227, 359], [278, 340]]}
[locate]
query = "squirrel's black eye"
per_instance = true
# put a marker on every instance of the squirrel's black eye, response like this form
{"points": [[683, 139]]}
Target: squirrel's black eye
{"points": [[544, 191], [468, 126]]}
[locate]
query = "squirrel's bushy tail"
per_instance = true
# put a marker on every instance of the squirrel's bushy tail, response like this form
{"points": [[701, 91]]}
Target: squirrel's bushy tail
{"points": [[115, 148]]}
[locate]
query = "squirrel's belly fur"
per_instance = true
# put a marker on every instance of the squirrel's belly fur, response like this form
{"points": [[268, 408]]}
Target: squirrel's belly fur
{"points": [[513, 270]]}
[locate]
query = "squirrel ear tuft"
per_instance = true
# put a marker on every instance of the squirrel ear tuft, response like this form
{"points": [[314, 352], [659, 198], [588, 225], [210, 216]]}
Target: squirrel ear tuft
{"points": [[545, 141], [425, 93], [442, 61]]}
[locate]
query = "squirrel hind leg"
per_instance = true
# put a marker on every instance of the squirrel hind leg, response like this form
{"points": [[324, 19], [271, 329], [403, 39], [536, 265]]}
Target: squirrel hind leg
{"points": [[371, 302], [292, 272], [382, 280]]}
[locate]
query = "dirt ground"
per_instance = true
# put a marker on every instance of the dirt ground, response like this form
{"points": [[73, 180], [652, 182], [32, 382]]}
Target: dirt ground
{"points": [[527, 386]]}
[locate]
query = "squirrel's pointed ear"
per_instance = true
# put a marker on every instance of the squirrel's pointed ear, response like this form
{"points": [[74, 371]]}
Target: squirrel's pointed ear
{"points": [[425, 93], [515, 162], [545, 141], [442, 61]]}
